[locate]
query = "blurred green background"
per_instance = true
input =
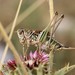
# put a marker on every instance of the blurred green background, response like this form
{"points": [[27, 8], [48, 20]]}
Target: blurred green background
{"points": [[38, 20]]}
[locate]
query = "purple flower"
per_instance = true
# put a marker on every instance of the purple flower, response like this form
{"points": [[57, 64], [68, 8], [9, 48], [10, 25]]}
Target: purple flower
{"points": [[35, 58], [11, 64], [32, 60]]}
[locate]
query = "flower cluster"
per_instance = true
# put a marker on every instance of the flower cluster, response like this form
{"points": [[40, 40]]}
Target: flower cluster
{"points": [[32, 60], [36, 58]]}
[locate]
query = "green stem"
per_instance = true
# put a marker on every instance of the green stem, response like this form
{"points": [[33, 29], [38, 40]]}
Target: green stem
{"points": [[40, 70], [51, 57]]}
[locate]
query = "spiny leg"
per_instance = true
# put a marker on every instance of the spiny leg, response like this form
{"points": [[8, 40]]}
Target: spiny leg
{"points": [[58, 23]]}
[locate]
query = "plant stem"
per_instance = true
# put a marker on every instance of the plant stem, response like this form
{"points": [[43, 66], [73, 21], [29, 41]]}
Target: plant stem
{"points": [[51, 9], [51, 57], [11, 32], [51, 54], [12, 48], [39, 71]]}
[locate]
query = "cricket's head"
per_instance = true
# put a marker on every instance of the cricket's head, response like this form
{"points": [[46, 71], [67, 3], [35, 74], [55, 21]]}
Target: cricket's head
{"points": [[20, 32]]}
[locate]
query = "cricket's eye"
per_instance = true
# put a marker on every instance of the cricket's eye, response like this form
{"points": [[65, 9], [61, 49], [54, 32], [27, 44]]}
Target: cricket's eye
{"points": [[21, 32]]}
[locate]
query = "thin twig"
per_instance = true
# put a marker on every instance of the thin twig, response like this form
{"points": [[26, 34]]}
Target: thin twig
{"points": [[51, 57], [11, 32], [25, 14], [12, 48], [51, 11], [51, 8]]}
